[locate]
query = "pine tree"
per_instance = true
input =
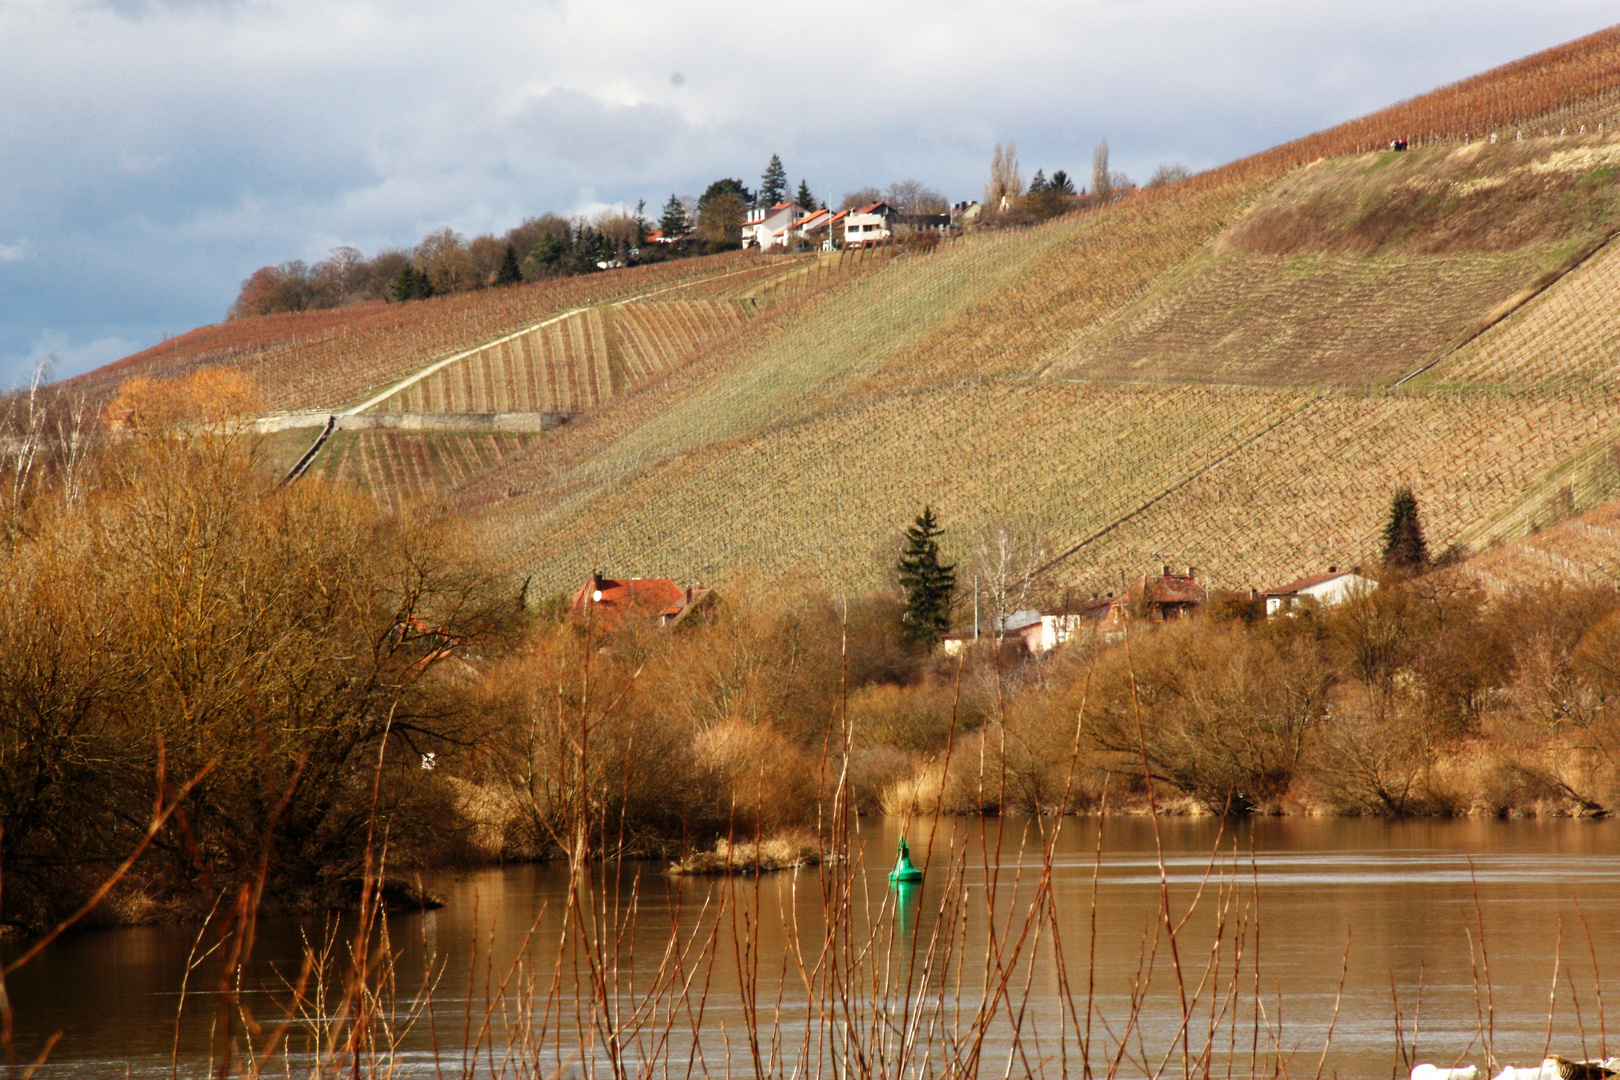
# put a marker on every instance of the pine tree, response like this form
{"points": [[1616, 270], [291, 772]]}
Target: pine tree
{"points": [[807, 201], [509, 273], [411, 284], [404, 285], [1060, 183], [1404, 546], [1038, 185], [673, 221], [928, 583], [773, 185]]}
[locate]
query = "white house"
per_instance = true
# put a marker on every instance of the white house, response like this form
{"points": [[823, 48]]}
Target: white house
{"points": [[869, 225], [1334, 587], [762, 228]]}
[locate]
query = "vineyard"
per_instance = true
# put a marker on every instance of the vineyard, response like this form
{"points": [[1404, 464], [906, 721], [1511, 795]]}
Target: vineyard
{"points": [[1249, 484], [332, 358], [402, 467], [576, 363], [1568, 336], [1582, 551]]}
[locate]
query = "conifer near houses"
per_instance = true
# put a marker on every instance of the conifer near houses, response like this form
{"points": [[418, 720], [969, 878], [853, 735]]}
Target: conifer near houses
{"points": [[772, 185], [806, 201], [673, 222], [509, 273], [1404, 546], [928, 583]]}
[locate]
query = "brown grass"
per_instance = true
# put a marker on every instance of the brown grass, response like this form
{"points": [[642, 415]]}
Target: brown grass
{"points": [[791, 851]]}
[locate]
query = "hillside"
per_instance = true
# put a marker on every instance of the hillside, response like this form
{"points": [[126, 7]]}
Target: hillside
{"points": [[1204, 373]]}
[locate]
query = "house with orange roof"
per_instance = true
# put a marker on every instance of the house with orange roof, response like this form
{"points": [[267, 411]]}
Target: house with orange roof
{"points": [[869, 225], [822, 227], [766, 228], [605, 603]]}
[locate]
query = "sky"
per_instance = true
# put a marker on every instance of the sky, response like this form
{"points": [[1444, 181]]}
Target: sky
{"points": [[154, 153]]}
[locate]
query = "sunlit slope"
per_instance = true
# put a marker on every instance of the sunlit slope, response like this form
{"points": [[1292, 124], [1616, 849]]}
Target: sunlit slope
{"points": [[575, 362], [1251, 485], [1582, 551], [1363, 269], [331, 359], [1198, 374]]}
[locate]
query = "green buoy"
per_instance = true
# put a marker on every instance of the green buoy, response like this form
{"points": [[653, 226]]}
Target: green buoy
{"points": [[903, 871]]}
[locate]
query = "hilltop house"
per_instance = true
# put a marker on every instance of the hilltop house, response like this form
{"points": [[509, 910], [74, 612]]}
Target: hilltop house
{"points": [[1333, 587], [765, 229], [822, 228], [605, 603], [869, 225]]}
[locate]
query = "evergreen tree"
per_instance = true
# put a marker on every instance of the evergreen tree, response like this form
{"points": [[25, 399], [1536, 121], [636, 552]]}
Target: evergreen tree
{"points": [[411, 284], [806, 201], [773, 185], [1060, 183], [509, 273], [404, 285], [1038, 185], [927, 582], [673, 221], [1404, 546]]}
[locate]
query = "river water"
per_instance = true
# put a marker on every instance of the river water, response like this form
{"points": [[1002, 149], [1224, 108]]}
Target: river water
{"points": [[1408, 903]]}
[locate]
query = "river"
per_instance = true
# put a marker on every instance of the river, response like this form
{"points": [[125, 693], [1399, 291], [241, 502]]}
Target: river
{"points": [[1408, 903]]}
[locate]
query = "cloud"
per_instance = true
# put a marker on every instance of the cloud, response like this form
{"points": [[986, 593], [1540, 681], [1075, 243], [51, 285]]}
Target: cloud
{"points": [[158, 151], [61, 356]]}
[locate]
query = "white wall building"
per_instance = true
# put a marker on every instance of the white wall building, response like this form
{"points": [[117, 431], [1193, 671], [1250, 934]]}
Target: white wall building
{"points": [[762, 228], [869, 225], [1334, 587]]}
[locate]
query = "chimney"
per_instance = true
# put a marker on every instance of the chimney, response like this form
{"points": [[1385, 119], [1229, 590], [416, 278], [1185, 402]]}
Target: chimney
{"points": [[1254, 594], [1333, 569], [1166, 570], [1192, 571]]}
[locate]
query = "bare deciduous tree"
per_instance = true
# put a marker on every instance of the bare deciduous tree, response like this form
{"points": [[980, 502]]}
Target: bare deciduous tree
{"points": [[1101, 178], [1004, 564], [1006, 183]]}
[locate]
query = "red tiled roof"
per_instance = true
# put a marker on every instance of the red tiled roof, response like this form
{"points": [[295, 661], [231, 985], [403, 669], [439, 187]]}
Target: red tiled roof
{"points": [[1176, 589], [607, 602]]}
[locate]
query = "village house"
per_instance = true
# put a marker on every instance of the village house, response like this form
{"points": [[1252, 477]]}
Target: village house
{"points": [[823, 228], [766, 228], [1333, 587], [1168, 596], [869, 225], [605, 603]]}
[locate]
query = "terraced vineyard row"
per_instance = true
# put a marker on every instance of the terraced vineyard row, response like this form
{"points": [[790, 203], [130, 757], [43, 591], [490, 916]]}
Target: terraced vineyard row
{"points": [[402, 467], [1307, 319], [1569, 335], [1254, 486], [1585, 551], [573, 364], [330, 359], [659, 335]]}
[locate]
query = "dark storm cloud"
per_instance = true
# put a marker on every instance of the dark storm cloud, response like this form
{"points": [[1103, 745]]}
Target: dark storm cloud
{"points": [[155, 152]]}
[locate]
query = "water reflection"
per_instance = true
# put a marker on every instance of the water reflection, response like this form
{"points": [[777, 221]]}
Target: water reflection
{"points": [[1411, 898]]}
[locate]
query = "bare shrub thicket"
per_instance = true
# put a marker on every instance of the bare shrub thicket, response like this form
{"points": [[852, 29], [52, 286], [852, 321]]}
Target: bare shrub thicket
{"points": [[189, 620]]}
